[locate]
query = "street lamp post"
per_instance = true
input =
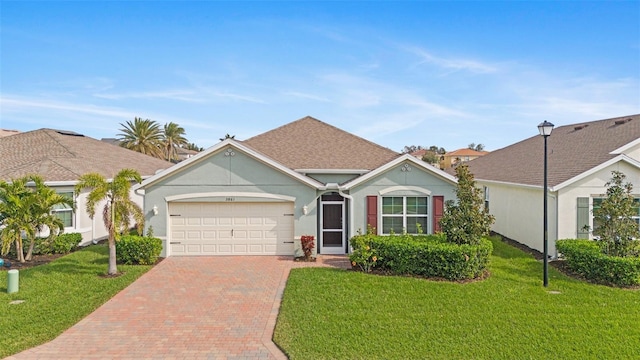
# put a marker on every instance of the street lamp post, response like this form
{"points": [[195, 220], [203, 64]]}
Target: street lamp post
{"points": [[545, 129]]}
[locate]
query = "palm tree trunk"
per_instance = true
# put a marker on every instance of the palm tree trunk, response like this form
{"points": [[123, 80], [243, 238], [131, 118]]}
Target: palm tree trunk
{"points": [[30, 251], [113, 269], [19, 252]]}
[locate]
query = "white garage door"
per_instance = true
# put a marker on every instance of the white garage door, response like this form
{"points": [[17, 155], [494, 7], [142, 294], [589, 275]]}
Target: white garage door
{"points": [[231, 228]]}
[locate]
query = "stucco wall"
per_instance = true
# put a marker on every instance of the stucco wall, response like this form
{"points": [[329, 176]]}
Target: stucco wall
{"points": [[236, 177], [591, 186], [519, 214], [395, 177]]}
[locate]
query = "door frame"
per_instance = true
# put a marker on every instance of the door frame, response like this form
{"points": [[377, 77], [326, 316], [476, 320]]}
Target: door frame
{"points": [[333, 250]]}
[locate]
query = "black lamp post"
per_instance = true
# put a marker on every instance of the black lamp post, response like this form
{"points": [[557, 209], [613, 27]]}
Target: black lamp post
{"points": [[545, 129]]}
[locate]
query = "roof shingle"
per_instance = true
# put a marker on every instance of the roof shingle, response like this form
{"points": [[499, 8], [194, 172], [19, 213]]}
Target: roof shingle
{"points": [[572, 150], [65, 156], [309, 143]]}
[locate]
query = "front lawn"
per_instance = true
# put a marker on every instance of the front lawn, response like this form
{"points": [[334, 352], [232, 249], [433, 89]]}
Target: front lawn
{"points": [[56, 296], [335, 314]]}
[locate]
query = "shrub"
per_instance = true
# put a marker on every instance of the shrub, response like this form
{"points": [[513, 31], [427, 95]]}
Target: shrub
{"points": [[364, 255], [428, 255], [585, 257], [59, 244], [138, 250], [307, 244], [466, 221]]}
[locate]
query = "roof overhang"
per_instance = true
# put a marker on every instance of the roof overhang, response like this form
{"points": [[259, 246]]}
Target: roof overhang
{"points": [[395, 162], [333, 171], [621, 157], [217, 148], [625, 147]]}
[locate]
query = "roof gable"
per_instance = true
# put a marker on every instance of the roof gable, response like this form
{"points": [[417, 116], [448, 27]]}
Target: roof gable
{"points": [[309, 143], [572, 150], [60, 156], [226, 144]]}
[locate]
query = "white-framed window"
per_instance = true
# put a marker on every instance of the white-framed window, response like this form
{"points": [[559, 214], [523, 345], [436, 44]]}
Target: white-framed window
{"points": [[405, 213], [486, 198], [64, 212]]}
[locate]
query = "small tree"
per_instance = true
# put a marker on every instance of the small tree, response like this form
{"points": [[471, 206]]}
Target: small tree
{"points": [[615, 225], [118, 209], [466, 221]]}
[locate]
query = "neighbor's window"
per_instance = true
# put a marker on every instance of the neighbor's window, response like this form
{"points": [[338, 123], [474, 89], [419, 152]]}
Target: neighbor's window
{"points": [[486, 198], [400, 213], [64, 212], [598, 201]]}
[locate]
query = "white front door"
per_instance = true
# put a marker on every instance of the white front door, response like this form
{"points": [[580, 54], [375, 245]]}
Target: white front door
{"points": [[332, 232]]}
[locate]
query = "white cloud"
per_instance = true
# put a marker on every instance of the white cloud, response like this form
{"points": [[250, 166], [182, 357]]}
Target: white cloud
{"points": [[451, 64]]}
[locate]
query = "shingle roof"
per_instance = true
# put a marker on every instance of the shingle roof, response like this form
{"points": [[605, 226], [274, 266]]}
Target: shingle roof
{"points": [[65, 156], [572, 150], [309, 143]]}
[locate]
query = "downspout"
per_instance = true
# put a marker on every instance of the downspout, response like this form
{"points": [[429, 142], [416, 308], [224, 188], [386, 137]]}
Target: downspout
{"points": [[350, 213]]}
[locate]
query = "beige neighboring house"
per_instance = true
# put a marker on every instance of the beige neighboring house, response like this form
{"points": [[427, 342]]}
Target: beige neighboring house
{"points": [[455, 157], [5, 132], [61, 157], [581, 158]]}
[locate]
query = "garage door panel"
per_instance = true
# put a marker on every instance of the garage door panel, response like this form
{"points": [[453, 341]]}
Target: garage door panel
{"points": [[231, 228]]}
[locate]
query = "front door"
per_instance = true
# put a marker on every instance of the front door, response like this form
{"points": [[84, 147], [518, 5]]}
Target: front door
{"points": [[332, 234]]}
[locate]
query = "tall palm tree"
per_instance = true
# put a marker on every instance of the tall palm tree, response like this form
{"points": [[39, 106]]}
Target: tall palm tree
{"points": [[143, 136], [118, 209], [25, 210], [173, 137]]}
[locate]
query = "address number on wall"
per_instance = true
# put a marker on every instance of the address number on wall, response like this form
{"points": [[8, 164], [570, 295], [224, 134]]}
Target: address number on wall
{"points": [[229, 199]]}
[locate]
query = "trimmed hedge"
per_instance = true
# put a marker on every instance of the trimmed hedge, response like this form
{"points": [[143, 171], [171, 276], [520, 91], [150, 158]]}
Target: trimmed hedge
{"points": [[428, 255], [60, 244], [138, 250], [585, 257]]}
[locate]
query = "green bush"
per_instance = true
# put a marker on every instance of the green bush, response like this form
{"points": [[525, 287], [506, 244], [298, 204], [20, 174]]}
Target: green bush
{"points": [[138, 250], [429, 256], [585, 257], [364, 255], [60, 244]]}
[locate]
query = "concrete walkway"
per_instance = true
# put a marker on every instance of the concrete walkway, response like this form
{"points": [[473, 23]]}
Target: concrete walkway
{"points": [[187, 308]]}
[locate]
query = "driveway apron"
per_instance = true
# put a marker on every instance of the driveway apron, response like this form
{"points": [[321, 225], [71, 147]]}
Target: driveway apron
{"points": [[221, 307]]}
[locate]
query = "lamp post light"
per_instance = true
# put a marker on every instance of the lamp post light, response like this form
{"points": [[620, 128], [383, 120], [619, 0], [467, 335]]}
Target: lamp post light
{"points": [[545, 129]]}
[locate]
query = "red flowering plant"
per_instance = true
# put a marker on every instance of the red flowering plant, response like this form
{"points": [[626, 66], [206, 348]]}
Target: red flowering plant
{"points": [[307, 242]]}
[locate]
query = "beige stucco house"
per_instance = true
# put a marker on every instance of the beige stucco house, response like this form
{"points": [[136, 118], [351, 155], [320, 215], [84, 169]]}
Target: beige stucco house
{"points": [[61, 157], [581, 158]]}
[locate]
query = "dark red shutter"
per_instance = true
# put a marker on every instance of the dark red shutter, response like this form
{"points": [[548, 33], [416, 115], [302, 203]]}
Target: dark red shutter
{"points": [[438, 211], [372, 212]]}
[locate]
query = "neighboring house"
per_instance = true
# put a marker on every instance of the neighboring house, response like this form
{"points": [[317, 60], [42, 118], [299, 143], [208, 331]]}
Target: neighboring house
{"points": [[453, 158], [304, 178], [5, 132], [420, 154], [61, 157], [581, 158]]}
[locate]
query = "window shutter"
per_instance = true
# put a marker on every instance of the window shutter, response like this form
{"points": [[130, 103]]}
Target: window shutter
{"points": [[583, 218], [372, 212], [438, 211]]}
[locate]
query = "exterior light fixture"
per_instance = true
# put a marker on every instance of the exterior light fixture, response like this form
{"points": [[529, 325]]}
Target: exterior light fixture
{"points": [[155, 210], [545, 129], [305, 210]]}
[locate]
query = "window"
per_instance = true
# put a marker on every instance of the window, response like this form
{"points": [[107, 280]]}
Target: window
{"points": [[486, 198], [400, 213], [64, 212], [598, 201]]}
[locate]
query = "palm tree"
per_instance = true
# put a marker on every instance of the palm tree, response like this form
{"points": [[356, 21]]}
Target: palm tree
{"points": [[143, 136], [25, 210], [118, 209], [45, 199], [172, 137]]}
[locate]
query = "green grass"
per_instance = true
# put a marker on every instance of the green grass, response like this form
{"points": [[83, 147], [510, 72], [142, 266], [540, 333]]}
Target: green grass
{"points": [[57, 295], [336, 314]]}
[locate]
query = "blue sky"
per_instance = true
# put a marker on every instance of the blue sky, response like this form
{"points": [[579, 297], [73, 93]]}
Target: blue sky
{"points": [[396, 73]]}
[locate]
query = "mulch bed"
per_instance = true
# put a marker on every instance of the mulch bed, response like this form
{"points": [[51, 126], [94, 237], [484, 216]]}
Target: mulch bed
{"points": [[35, 261]]}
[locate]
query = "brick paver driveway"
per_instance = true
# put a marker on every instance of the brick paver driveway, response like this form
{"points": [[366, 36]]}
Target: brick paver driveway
{"points": [[185, 308]]}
